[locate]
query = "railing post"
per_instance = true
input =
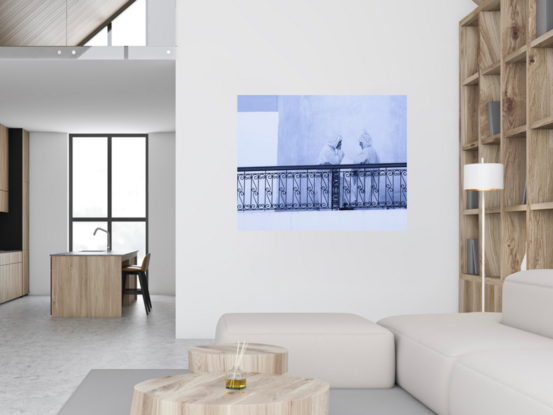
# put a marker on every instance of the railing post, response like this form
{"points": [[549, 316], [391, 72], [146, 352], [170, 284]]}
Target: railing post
{"points": [[335, 189]]}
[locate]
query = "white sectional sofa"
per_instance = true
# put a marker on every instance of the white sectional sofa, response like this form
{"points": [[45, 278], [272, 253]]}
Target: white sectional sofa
{"points": [[345, 350], [482, 363]]}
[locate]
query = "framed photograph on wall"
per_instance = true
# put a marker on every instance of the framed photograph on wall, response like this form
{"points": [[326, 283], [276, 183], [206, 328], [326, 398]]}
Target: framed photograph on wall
{"points": [[322, 162]]}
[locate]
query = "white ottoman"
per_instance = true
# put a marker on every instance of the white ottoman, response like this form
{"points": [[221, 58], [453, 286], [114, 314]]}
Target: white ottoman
{"points": [[345, 350]]}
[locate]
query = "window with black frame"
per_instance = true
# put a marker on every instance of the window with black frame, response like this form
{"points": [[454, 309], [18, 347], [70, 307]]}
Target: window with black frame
{"points": [[108, 185]]}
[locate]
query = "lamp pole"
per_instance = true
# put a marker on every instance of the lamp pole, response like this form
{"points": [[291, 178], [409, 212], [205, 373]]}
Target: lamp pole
{"points": [[483, 177], [483, 249]]}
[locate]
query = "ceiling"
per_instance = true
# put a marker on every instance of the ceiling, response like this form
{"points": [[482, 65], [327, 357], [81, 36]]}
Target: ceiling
{"points": [[55, 22], [86, 96]]}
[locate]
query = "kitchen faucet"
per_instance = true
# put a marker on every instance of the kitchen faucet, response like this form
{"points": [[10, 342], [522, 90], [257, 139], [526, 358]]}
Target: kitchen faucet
{"points": [[109, 237]]}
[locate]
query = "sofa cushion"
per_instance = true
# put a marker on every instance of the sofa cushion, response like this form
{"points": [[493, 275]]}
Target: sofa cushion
{"points": [[346, 350], [427, 347], [503, 382], [528, 301]]}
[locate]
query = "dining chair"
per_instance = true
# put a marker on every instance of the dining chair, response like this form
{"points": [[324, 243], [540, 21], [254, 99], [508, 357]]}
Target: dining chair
{"points": [[140, 271]]}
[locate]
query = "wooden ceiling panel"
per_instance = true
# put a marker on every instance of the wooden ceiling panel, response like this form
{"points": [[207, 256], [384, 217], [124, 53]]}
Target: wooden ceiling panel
{"points": [[32, 23], [55, 22], [85, 18], [479, 2]]}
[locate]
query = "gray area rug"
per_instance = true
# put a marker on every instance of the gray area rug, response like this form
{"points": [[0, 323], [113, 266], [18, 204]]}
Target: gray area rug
{"points": [[109, 392]]}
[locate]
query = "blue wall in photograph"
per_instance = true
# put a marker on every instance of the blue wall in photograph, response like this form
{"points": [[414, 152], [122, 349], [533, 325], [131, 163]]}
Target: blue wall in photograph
{"points": [[307, 122]]}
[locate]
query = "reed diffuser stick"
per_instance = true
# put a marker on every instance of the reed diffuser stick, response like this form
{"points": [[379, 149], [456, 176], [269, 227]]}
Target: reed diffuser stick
{"points": [[239, 357]]}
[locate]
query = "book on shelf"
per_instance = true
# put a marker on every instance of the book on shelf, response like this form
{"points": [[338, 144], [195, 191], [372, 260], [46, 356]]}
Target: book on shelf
{"points": [[494, 120], [544, 17], [524, 197], [472, 199]]}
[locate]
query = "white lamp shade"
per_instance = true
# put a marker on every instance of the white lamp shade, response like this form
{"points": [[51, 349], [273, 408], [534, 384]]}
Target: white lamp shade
{"points": [[483, 176]]}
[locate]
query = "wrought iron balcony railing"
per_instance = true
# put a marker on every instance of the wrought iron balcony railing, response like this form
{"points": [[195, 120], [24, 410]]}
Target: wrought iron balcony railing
{"points": [[322, 187]]}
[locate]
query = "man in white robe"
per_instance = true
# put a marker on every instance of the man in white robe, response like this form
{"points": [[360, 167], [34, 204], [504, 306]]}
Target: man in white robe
{"points": [[368, 155]]}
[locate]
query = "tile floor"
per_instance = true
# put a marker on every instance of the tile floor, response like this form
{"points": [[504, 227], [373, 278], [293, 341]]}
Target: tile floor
{"points": [[43, 360]]}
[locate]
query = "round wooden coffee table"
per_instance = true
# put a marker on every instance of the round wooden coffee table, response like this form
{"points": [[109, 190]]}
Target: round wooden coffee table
{"points": [[205, 394], [259, 358]]}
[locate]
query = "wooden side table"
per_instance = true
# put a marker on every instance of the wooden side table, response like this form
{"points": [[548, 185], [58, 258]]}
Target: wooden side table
{"points": [[259, 358], [205, 394]]}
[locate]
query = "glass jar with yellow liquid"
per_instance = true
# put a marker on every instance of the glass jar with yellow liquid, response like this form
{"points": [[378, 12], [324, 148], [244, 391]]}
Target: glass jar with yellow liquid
{"points": [[236, 379]]}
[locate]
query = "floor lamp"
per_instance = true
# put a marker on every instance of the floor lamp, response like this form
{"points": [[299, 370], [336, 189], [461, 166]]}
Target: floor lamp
{"points": [[483, 177]]}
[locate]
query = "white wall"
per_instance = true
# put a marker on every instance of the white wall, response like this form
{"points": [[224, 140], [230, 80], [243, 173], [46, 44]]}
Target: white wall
{"points": [[160, 22], [401, 47], [49, 208], [162, 212], [48, 220]]}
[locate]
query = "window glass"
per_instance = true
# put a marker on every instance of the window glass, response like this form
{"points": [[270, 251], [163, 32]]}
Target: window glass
{"points": [[84, 238], [129, 28], [90, 177], [128, 156], [101, 38], [130, 236]]}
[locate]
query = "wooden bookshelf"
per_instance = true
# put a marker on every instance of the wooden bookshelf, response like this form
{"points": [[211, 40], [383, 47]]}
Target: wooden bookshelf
{"points": [[501, 60]]}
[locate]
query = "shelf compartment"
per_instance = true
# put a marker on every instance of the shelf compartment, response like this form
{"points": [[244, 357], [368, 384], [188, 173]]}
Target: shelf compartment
{"points": [[515, 208], [514, 27], [473, 18], [469, 114], [543, 124], [490, 90], [543, 42], [495, 139], [513, 100], [468, 212], [518, 56], [540, 174], [494, 69], [471, 146], [513, 243], [493, 244], [540, 229], [472, 80], [469, 40], [490, 42], [540, 88], [541, 206], [514, 160], [468, 230], [519, 132]]}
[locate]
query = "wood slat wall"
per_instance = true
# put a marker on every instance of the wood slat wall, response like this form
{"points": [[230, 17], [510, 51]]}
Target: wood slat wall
{"points": [[516, 69], [55, 22]]}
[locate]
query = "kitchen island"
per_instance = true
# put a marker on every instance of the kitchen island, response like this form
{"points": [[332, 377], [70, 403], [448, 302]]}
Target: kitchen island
{"points": [[88, 284]]}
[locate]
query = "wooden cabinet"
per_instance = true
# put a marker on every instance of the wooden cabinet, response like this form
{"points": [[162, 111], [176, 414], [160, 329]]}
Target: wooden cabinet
{"points": [[14, 225], [11, 281], [4, 201], [8, 258], [4, 168]]}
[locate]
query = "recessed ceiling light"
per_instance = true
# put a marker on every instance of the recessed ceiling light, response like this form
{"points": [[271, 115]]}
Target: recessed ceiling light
{"points": [[59, 52], [73, 52], [168, 52]]}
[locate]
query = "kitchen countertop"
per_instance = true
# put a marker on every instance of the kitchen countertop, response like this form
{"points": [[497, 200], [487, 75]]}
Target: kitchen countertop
{"points": [[13, 250], [102, 253]]}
